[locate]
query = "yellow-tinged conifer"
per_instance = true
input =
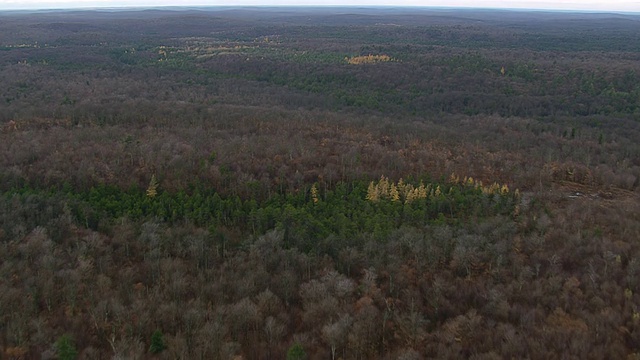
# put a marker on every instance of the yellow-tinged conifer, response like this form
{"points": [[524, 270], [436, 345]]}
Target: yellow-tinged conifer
{"points": [[383, 187], [367, 59], [405, 190], [422, 191], [152, 190], [402, 187], [410, 196], [491, 189], [314, 194], [372, 192], [414, 191], [393, 192]]}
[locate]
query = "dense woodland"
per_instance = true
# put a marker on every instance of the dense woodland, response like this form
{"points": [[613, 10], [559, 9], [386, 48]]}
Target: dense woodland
{"points": [[319, 184]]}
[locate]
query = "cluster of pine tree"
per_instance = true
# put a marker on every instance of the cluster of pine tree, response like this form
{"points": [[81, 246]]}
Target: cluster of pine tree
{"points": [[406, 193], [494, 188], [368, 59], [400, 191]]}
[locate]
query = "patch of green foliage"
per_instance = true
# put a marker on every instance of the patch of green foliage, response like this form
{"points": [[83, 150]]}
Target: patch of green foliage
{"points": [[342, 212]]}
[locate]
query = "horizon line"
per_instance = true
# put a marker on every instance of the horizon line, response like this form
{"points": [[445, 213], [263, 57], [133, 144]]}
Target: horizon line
{"points": [[96, 7]]}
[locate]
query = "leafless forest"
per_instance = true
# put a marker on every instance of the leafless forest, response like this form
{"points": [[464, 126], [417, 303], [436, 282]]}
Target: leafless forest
{"points": [[287, 183]]}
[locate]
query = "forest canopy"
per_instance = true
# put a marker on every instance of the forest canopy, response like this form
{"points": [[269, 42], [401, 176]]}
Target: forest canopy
{"points": [[293, 183]]}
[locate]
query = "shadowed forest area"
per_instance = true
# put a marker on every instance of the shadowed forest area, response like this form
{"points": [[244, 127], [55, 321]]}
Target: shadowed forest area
{"points": [[319, 183]]}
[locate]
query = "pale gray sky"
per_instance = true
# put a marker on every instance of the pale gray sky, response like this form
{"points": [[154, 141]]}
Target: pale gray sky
{"points": [[600, 5]]}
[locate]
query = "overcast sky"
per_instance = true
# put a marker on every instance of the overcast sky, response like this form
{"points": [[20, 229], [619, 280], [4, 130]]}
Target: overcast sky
{"points": [[601, 5]]}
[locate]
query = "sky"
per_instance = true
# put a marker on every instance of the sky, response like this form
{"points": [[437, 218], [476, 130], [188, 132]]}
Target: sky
{"points": [[588, 5]]}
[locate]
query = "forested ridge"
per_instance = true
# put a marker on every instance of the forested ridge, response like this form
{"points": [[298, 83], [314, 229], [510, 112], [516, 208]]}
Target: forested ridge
{"points": [[272, 183]]}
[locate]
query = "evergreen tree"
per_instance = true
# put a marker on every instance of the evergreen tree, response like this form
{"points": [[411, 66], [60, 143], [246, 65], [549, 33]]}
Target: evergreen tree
{"points": [[314, 194], [393, 192], [65, 348], [296, 352], [372, 192], [152, 190], [157, 343]]}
